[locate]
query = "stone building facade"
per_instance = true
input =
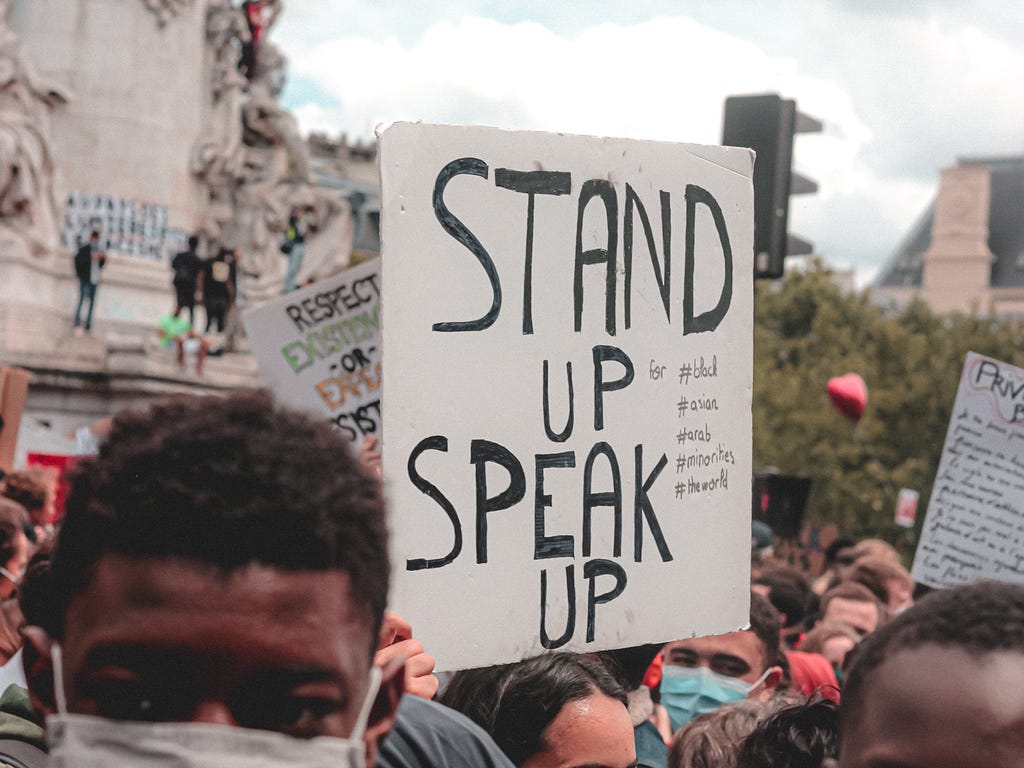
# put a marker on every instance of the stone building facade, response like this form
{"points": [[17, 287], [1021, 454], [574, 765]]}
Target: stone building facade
{"points": [[966, 252], [149, 120]]}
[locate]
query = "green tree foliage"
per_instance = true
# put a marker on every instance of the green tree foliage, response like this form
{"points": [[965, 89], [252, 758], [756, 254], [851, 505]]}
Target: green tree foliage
{"points": [[807, 331]]}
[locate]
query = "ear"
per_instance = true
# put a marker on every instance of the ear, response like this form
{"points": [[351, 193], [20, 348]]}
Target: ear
{"points": [[37, 661], [764, 691], [774, 678], [385, 706]]}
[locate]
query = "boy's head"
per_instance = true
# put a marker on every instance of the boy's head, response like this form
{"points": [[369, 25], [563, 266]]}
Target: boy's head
{"points": [[940, 686], [222, 561]]}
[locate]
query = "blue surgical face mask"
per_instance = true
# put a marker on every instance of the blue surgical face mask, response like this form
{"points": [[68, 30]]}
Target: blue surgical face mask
{"points": [[690, 691]]}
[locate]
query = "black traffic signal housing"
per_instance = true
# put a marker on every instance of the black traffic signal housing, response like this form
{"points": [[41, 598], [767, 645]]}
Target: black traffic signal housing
{"points": [[766, 123]]}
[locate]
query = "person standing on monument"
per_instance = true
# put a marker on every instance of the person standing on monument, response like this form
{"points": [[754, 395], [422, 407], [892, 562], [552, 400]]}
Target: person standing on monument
{"points": [[186, 266], [218, 284], [294, 246], [89, 261]]}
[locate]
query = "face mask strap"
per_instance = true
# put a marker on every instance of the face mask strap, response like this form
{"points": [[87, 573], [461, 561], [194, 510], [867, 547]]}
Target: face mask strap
{"points": [[371, 697], [757, 683], [57, 658]]}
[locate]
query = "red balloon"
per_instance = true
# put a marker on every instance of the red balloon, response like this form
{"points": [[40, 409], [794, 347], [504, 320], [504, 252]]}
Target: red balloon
{"points": [[849, 395]]}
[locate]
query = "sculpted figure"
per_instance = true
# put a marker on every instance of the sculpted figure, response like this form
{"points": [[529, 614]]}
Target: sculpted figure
{"points": [[29, 204]]}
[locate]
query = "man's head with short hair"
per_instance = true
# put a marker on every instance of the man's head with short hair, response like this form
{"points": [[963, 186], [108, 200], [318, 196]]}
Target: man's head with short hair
{"points": [[193, 242], [852, 604], [942, 685], [751, 656], [224, 560]]}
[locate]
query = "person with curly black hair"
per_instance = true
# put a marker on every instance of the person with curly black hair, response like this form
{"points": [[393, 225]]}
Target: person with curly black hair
{"points": [[800, 736], [940, 686], [218, 587]]}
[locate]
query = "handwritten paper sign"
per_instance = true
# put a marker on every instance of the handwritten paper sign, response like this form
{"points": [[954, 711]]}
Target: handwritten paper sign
{"points": [[319, 348], [974, 527], [568, 367]]}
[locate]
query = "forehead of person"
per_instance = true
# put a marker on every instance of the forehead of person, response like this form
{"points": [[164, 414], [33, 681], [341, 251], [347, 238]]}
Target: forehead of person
{"points": [[593, 732], [735, 654], [169, 639], [940, 707]]}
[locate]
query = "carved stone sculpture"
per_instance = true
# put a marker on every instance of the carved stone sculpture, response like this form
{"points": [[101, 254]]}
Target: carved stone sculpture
{"points": [[165, 10], [29, 203], [254, 162]]}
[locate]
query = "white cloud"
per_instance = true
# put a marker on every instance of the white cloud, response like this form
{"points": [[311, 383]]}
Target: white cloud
{"points": [[661, 79], [900, 96]]}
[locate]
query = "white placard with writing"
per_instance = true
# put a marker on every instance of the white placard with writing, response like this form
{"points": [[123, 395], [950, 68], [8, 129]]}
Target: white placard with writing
{"points": [[974, 527], [318, 348], [568, 367]]}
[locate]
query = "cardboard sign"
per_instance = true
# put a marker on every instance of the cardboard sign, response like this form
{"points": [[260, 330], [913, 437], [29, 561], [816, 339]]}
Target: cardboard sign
{"points": [[906, 508], [13, 394], [319, 348], [974, 527], [568, 357]]}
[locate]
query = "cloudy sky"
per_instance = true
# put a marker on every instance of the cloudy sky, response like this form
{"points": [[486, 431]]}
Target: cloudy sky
{"points": [[903, 87]]}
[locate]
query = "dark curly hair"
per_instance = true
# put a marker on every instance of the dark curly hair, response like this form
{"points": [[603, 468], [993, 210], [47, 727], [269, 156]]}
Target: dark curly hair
{"points": [[515, 703], [225, 481], [800, 736], [979, 618]]}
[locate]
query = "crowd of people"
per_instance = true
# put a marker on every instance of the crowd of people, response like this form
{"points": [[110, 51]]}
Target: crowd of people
{"points": [[212, 281], [204, 601]]}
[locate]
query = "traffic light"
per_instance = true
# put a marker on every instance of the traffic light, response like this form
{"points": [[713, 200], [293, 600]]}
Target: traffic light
{"points": [[766, 123]]}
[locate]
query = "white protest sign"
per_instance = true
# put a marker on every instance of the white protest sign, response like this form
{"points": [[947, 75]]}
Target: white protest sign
{"points": [[974, 527], [319, 348], [568, 367]]}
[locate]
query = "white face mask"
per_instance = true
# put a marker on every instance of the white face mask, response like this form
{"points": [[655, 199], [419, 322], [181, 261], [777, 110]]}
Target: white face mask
{"points": [[84, 741]]}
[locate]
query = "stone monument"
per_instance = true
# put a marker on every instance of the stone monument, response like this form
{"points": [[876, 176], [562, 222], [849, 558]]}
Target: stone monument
{"points": [[148, 120]]}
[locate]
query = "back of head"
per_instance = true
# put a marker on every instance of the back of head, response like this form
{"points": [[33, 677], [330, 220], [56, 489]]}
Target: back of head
{"points": [[832, 550], [28, 487], [712, 740], [225, 482], [875, 548], [815, 640], [787, 592], [12, 522], [629, 665], [765, 622], [800, 736], [879, 574], [515, 703], [979, 618], [850, 590], [193, 242]]}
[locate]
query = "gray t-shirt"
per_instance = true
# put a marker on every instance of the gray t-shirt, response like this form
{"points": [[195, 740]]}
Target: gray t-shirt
{"points": [[429, 735]]}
